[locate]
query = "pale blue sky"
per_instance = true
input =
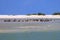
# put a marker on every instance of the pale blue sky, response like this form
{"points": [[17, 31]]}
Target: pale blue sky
{"points": [[29, 6]]}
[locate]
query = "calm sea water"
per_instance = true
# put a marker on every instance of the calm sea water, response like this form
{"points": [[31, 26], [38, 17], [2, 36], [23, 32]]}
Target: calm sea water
{"points": [[47, 35]]}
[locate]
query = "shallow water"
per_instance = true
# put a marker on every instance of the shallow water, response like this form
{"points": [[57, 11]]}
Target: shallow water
{"points": [[33, 35], [30, 33]]}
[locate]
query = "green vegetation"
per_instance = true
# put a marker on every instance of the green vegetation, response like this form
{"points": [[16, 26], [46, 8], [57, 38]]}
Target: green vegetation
{"points": [[36, 14], [57, 13], [41, 14]]}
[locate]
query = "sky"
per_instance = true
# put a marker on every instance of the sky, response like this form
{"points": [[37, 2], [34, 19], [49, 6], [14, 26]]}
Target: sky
{"points": [[22, 7]]}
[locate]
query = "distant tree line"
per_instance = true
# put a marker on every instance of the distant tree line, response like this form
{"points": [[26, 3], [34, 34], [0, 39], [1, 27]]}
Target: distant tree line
{"points": [[57, 13]]}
